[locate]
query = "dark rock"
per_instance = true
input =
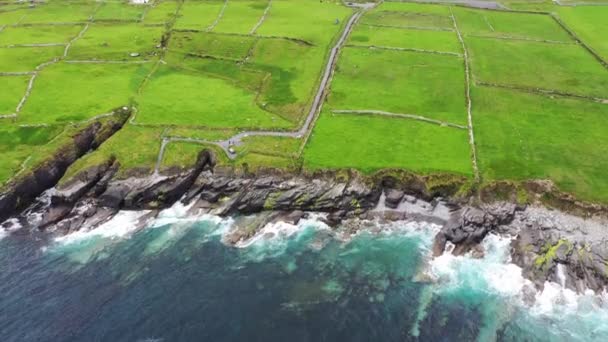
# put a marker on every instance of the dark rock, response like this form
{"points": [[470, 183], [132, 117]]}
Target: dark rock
{"points": [[393, 198]]}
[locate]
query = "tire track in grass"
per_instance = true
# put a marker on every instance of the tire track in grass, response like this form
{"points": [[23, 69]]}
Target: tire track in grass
{"points": [[467, 71], [219, 17], [418, 28], [404, 49], [262, 18], [398, 115], [541, 91]]}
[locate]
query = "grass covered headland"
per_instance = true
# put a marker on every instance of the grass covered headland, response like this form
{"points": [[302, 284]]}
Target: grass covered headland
{"points": [[518, 93]]}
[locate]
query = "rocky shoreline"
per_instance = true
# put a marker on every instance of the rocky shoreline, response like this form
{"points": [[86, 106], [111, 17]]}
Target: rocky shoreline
{"points": [[543, 238]]}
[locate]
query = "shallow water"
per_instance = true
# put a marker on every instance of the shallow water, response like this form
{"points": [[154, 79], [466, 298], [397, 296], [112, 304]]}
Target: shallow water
{"points": [[177, 281]]}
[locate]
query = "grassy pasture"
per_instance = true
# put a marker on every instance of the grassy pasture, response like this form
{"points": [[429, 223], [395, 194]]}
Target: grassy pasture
{"points": [[12, 17], [408, 19], [198, 15], [523, 136], [59, 12], [567, 68], [209, 44], [12, 89], [293, 75], [119, 11], [415, 83], [23, 59], [116, 42], [14, 35], [161, 12], [74, 92], [519, 25], [444, 41], [278, 146], [19, 143], [135, 148], [412, 7], [312, 21], [590, 24], [200, 100], [371, 143], [241, 16]]}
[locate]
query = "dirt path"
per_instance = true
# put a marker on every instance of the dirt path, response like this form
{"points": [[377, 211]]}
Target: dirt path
{"points": [[399, 115], [237, 139], [467, 72], [262, 18]]}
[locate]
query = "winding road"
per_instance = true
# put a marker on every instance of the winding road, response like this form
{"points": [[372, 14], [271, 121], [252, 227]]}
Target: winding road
{"points": [[237, 139]]}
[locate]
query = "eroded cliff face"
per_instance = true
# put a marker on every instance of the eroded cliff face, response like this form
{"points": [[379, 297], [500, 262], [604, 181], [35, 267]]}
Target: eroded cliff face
{"points": [[542, 238], [21, 192]]}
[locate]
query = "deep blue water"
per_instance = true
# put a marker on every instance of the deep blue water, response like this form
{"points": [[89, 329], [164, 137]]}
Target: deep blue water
{"points": [[179, 282]]}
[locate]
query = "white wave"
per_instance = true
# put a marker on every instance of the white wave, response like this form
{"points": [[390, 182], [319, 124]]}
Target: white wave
{"points": [[493, 271], [182, 213], [280, 231], [122, 224]]}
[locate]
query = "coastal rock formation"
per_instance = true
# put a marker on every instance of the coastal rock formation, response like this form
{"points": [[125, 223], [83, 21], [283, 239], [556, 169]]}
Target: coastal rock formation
{"points": [[548, 245]]}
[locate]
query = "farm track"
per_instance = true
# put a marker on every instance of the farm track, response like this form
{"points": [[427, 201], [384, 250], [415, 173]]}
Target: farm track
{"points": [[546, 41], [541, 91], [404, 49], [418, 28], [467, 71], [304, 131], [219, 17], [262, 19], [398, 115]]}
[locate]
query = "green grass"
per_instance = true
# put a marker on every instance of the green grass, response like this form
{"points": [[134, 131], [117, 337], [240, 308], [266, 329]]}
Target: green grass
{"points": [[241, 16], [371, 143], [520, 25], [38, 35], [522, 136], [59, 12], [294, 73], [278, 146], [408, 19], [567, 68], [181, 154], [135, 148], [198, 15], [200, 100], [73, 92], [210, 44], [12, 17], [17, 144], [255, 162], [204, 134], [411, 7], [23, 59], [589, 24], [12, 89], [309, 20], [445, 41], [119, 11], [401, 82], [161, 12], [117, 42]]}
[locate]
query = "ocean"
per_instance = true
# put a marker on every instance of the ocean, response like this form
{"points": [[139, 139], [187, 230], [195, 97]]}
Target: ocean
{"points": [[176, 280]]}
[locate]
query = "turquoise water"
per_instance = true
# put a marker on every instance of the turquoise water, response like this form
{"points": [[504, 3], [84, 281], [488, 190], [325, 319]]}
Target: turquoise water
{"points": [[176, 281]]}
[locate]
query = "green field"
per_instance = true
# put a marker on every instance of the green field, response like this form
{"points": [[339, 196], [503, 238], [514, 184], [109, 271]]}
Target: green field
{"points": [[396, 95]]}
